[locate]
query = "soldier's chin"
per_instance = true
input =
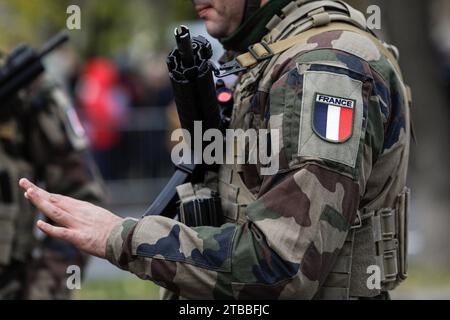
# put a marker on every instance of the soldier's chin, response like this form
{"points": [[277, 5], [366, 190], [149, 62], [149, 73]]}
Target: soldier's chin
{"points": [[215, 29]]}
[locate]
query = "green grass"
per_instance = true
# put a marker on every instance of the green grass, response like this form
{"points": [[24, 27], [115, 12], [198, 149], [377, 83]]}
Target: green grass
{"points": [[118, 289], [424, 283], [421, 276]]}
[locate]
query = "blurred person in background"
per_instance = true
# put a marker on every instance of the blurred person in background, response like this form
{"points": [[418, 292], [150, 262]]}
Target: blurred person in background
{"points": [[105, 107], [158, 92], [142, 131], [157, 98], [40, 137]]}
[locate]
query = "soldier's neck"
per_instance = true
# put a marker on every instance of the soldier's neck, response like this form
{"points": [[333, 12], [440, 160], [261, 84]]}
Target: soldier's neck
{"points": [[254, 28]]}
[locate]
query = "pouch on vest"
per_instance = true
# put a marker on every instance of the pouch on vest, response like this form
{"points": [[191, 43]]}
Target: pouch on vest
{"points": [[374, 257], [388, 237], [199, 206], [234, 194]]}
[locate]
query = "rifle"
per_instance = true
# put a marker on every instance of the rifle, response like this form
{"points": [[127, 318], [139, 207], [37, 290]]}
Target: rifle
{"points": [[24, 65], [191, 75]]}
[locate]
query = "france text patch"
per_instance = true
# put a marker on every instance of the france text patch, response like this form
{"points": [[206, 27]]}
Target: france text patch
{"points": [[333, 117]]}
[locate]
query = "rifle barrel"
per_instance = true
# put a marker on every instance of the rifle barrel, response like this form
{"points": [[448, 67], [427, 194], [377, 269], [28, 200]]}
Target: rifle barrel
{"points": [[53, 43], [184, 44]]}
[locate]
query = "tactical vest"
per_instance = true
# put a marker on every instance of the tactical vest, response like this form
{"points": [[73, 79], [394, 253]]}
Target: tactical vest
{"points": [[60, 128], [16, 214], [378, 238]]}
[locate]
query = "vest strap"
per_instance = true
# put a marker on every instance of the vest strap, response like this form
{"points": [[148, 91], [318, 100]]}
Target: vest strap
{"points": [[263, 51]]}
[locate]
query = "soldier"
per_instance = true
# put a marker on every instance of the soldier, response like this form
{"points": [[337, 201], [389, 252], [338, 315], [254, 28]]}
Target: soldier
{"points": [[331, 223], [40, 138]]}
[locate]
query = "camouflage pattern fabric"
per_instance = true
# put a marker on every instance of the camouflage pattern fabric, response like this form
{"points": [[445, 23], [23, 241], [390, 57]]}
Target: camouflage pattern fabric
{"points": [[46, 276], [293, 232], [35, 143]]}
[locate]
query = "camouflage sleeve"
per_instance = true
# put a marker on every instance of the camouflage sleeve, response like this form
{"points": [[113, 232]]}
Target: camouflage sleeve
{"points": [[296, 227]]}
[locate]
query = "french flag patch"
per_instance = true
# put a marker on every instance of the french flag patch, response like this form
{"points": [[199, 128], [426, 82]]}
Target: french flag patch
{"points": [[333, 117]]}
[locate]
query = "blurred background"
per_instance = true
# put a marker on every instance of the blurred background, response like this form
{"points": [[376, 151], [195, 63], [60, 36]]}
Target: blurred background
{"points": [[119, 54]]}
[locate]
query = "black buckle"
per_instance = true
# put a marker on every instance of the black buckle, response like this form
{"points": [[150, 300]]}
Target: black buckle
{"points": [[358, 221], [269, 54], [228, 68]]}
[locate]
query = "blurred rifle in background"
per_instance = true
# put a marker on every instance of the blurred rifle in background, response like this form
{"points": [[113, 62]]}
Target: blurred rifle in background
{"points": [[24, 65]]}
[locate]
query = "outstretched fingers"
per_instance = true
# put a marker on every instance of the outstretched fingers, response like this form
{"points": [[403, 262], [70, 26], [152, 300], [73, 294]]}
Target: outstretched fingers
{"points": [[60, 201], [43, 201], [28, 186], [57, 232]]}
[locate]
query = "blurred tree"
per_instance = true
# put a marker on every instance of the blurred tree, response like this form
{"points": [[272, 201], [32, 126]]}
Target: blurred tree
{"points": [[108, 28], [30, 21]]}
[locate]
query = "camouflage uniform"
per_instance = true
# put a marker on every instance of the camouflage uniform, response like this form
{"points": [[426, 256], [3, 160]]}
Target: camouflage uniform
{"points": [[336, 206], [40, 139]]}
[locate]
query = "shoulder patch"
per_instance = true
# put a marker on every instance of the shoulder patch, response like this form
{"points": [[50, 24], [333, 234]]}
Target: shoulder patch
{"points": [[333, 117], [331, 120]]}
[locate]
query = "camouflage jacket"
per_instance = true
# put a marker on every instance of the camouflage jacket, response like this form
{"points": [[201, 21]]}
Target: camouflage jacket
{"points": [[334, 160], [40, 139]]}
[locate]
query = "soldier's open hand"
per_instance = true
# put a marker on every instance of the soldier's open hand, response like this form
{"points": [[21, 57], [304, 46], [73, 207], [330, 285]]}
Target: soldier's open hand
{"points": [[81, 223]]}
